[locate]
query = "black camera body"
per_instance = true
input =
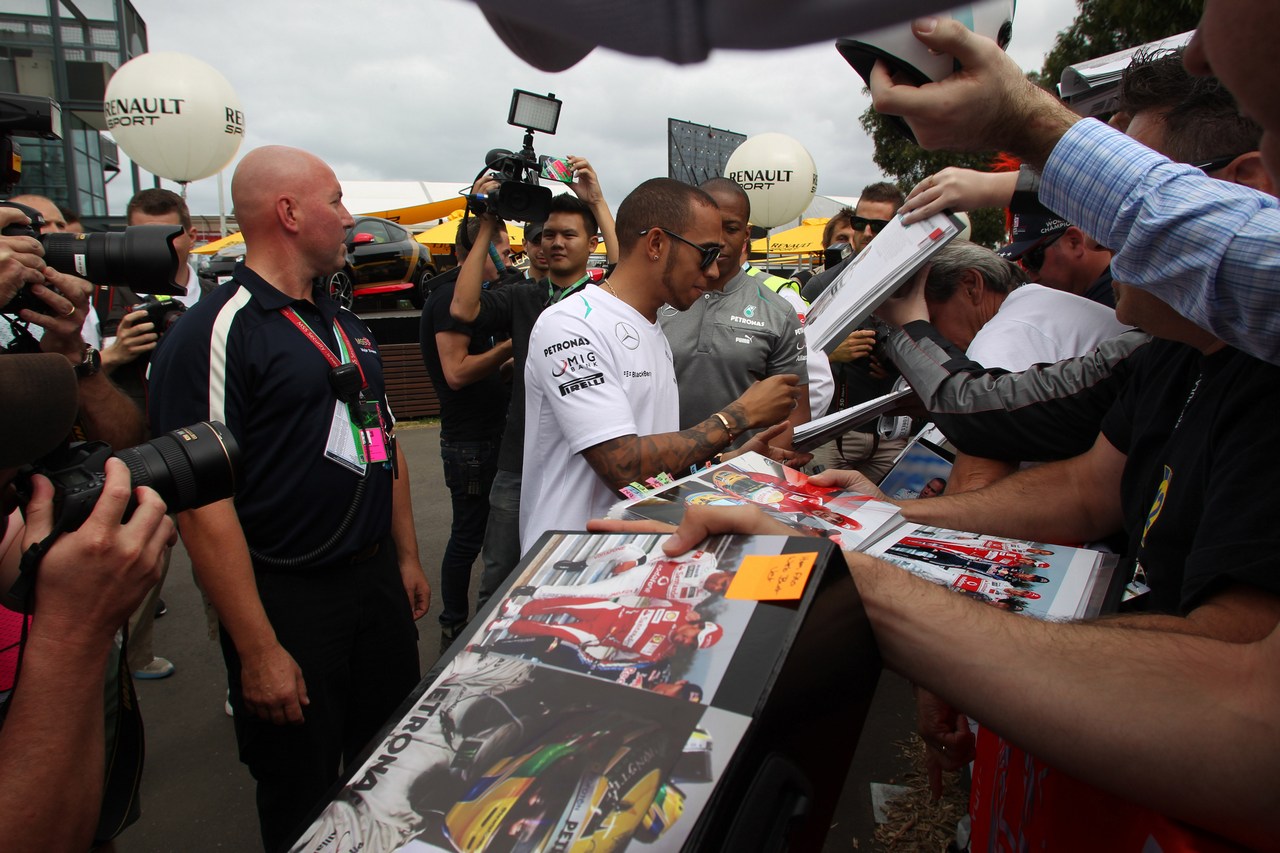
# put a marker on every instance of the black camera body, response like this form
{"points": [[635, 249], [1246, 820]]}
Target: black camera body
{"points": [[142, 257], [162, 313], [520, 197], [189, 468]]}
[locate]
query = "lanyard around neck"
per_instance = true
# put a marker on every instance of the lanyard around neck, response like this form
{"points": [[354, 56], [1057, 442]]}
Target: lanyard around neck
{"points": [[555, 294], [343, 343]]}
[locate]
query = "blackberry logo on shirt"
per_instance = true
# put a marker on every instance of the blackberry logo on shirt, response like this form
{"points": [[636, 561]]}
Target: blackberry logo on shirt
{"points": [[564, 345], [636, 374], [575, 363], [582, 382]]}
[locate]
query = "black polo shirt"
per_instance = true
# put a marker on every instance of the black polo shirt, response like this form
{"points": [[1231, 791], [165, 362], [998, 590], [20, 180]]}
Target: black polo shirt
{"points": [[513, 310], [236, 358]]}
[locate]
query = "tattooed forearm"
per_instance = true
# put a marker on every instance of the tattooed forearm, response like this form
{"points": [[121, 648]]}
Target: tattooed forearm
{"points": [[632, 458]]}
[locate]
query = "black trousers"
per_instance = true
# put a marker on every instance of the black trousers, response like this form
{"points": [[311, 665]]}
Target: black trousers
{"points": [[351, 631]]}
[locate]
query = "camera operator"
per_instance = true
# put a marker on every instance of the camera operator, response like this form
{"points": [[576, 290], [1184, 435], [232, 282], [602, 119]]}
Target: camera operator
{"points": [[106, 414], [52, 743]]}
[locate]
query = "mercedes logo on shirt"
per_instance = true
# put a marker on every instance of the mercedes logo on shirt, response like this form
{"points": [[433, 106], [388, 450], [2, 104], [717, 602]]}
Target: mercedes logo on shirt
{"points": [[627, 335]]}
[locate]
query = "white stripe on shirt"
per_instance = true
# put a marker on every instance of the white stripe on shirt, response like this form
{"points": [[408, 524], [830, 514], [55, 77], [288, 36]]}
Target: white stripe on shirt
{"points": [[218, 354]]}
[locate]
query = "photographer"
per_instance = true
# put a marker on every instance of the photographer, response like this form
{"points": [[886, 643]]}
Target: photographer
{"points": [[21, 258], [106, 414], [131, 336], [52, 743], [126, 357]]}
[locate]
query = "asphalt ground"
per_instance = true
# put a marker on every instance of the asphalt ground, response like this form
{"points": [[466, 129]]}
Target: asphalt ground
{"points": [[198, 797]]}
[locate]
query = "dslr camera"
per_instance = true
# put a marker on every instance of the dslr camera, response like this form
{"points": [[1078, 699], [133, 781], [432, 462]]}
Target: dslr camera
{"points": [[161, 313], [520, 197], [142, 257], [189, 467]]}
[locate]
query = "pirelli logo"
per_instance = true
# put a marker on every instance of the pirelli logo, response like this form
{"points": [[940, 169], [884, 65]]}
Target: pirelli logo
{"points": [[582, 382]]}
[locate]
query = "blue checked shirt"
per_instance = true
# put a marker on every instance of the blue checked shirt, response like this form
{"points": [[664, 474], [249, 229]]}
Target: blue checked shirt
{"points": [[1208, 248]]}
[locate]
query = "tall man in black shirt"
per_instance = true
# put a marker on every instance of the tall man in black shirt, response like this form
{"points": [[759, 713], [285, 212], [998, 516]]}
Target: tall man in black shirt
{"points": [[473, 409], [567, 240], [313, 568]]}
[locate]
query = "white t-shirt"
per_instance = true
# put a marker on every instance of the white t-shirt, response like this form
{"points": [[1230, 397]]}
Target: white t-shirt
{"points": [[1040, 325], [597, 370]]}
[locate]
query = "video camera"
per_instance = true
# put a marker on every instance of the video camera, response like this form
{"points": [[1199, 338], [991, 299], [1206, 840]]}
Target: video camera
{"points": [[520, 197], [143, 257]]}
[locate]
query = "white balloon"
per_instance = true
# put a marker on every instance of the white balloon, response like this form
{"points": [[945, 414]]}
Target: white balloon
{"points": [[175, 116], [778, 174]]}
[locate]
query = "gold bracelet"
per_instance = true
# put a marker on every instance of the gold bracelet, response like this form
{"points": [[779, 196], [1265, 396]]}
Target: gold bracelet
{"points": [[725, 422]]}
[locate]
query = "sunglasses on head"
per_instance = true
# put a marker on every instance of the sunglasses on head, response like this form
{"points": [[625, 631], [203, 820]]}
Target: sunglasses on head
{"points": [[861, 223], [1033, 259], [1216, 163], [710, 254]]}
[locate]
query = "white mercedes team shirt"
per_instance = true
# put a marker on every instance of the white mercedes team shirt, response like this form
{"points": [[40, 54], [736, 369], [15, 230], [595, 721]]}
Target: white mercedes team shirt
{"points": [[597, 370]]}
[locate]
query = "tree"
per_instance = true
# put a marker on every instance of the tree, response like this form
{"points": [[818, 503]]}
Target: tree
{"points": [[1106, 26]]}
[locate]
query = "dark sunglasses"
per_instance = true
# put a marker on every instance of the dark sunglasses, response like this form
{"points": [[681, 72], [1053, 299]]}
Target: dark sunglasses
{"points": [[861, 223], [1033, 259], [1216, 163], [710, 254]]}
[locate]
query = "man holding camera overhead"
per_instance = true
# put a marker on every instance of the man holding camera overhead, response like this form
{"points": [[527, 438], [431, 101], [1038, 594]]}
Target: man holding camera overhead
{"points": [[314, 569]]}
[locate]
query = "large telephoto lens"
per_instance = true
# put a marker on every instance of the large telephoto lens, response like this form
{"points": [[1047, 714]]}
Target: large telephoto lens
{"points": [[189, 467], [142, 258]]}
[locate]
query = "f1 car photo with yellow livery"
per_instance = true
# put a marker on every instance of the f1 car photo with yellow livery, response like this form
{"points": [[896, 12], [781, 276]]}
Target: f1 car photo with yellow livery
{"points": [[383, 259]]}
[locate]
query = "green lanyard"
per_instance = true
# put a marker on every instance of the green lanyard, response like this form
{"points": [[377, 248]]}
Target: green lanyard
{"points": [[555, 294]]}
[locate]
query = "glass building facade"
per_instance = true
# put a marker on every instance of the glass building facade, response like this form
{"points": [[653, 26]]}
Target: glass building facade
{"points": [[67, 50]]}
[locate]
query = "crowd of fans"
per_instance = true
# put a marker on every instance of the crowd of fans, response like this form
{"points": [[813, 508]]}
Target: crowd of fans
{"points": [[1107, 377]]}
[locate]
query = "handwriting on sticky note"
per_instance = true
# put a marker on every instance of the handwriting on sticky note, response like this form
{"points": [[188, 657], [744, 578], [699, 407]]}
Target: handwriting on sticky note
{"points": [[772, 578]]}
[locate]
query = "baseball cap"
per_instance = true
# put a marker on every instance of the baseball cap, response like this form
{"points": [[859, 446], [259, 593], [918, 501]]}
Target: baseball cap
{"points": [[1033, 223], [38, 404], [556, 34], [709, 635], [533, 232]]}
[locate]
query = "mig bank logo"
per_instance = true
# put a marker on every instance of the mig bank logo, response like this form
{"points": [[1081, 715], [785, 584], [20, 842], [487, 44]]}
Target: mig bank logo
{"points": [[583, 382], [575, 363]]}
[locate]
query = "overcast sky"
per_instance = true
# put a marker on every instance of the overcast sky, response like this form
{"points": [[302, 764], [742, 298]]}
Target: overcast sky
{"points": [[419, 90]]}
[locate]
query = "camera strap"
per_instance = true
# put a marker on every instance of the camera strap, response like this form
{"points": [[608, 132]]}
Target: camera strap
{"points": [[123, 729]]}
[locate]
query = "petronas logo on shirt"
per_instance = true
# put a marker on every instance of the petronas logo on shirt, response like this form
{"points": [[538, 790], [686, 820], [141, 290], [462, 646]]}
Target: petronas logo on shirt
{"points": [[749, 311]]}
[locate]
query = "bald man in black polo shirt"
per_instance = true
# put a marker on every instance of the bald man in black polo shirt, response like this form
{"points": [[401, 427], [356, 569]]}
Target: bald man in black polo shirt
{"points": [[314, 569]]}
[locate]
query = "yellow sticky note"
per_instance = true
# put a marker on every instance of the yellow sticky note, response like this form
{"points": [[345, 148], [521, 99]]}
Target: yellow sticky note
{"points": [[772, 578]]}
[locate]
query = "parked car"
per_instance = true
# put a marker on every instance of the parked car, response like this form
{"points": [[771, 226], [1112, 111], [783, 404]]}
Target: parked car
{"points": [[218, 267], [382, 258]]}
